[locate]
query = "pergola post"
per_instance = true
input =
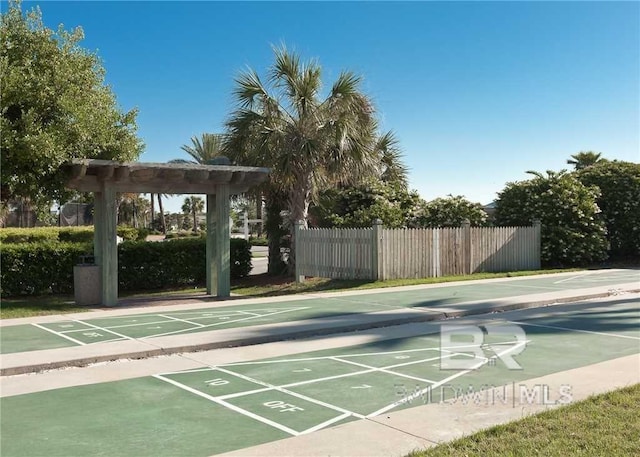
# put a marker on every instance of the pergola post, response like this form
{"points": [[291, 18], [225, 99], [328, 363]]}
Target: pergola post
{"points": [[212, 272], [218, 244], [105, 243]]}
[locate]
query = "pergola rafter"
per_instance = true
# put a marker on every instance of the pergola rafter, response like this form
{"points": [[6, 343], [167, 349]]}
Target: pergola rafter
{"points": [[106, 178]]}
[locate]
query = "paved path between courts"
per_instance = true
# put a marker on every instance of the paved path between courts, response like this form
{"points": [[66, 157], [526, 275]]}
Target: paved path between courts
{"points": [[132, 348]]}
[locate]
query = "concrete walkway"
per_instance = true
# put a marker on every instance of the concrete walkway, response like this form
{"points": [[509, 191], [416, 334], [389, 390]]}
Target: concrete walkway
{"points": [[34, 361]]}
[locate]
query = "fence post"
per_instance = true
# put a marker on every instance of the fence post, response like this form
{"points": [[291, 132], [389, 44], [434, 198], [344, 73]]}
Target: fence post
{"points": [[377, 257], [537, 225], [466, 230], [297, 228]]}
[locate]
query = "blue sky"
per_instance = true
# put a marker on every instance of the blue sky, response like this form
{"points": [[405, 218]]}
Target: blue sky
{"points": [[477, 92]]}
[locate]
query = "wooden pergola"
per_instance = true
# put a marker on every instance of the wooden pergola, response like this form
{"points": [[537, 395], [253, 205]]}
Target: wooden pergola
{"points": [[106, 178]]}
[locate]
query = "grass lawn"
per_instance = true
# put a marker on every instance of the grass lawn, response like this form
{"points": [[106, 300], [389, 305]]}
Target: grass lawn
{"points": [[605, 425]]}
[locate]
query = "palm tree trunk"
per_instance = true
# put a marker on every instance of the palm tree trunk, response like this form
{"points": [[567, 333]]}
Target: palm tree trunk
{"points": [[259, 213], [299, 199], [195, 217], [153, 210], [162, 222], [275, 202]]}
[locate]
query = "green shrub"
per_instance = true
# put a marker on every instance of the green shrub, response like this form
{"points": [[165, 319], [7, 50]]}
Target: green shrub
{"points": [[39, 267], [67, 234], [76, 234], [572, 231], [28, 235], [174, 263], [184, 234], [47, 267], [254, 241], [619, 200], [127, 233]]}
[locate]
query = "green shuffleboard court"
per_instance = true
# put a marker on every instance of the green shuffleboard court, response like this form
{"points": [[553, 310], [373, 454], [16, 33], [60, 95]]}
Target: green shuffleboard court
{"points": [[215, 409], [21, 338]]}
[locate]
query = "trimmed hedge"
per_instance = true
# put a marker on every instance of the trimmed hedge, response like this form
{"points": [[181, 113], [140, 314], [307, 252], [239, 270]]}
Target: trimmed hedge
{"points": [[69, 234], [39, 268], [47, 267]]}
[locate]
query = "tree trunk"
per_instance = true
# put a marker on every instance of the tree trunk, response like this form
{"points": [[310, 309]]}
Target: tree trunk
{"points": [[162, 222], [299, 199], [259, 213], [195, 216], [275, 202], [153, 210]]}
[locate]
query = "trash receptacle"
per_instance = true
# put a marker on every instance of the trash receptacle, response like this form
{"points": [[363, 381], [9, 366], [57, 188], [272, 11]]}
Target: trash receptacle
{"points": [[86, 282]]}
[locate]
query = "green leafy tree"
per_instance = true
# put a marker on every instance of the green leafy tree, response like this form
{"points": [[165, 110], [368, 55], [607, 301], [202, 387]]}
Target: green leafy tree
{"points": [[285, 124], [360, 205], [451, 212], [573, 232], [584, 159], [193, 205], [619, 200], [55, 106]]}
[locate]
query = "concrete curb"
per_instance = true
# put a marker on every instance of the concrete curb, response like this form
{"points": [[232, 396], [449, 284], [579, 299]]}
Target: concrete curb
{"points": [[35, 361]]}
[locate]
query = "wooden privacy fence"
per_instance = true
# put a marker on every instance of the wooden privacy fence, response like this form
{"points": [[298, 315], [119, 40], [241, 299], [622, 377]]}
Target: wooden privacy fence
{"points": [[379, 253]]}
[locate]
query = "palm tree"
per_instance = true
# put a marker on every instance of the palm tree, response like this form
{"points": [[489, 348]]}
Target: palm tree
{"points": [[392, 169], [284, 124], [193, 205], [203, 150], [583, 159]]}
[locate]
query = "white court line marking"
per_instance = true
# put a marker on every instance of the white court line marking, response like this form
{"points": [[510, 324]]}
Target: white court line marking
{"points": [[232, 311], [247, 312], [242, 394], [355, 373], [577, 330], [384, 371], [104, 329], [223, 323], [294, 394], [507, 284], [237, 409], [326, 357], [60, 334], [325, 424], [195, 370], [119, 326], [181, 320], [439, 383], [569, 279]]}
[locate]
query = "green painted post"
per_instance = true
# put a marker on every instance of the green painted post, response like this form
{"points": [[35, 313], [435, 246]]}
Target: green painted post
{"points": [[222, 235], [212, 271], [98, 225], [109, 246]]}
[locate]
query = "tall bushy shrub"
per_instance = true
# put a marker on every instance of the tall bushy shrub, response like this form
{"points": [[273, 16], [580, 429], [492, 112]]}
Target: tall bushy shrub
{"points": [[619, 200], [450, 211], [573, 232]]}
